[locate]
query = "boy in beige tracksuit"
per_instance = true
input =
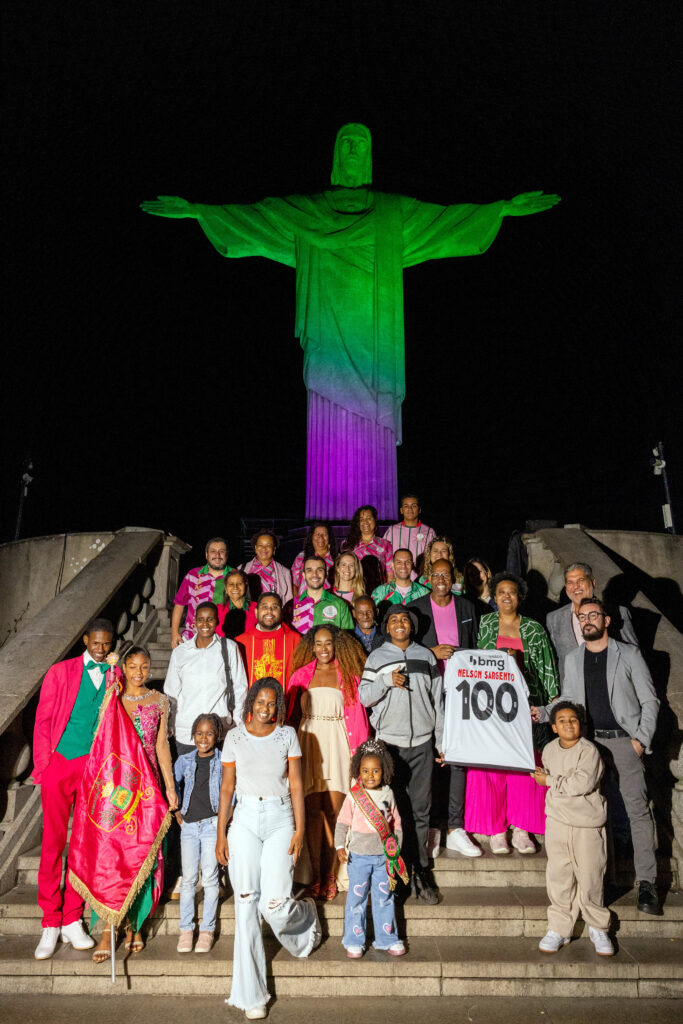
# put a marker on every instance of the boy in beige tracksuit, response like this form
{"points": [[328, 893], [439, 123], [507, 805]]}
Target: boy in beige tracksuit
{"points": [[575, 832]]}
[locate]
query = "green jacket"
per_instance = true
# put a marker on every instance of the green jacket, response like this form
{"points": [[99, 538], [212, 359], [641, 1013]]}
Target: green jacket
{"points": [[540, 664]]}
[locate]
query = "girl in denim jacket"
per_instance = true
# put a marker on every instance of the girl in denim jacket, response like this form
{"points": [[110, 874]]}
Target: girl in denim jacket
{"points": [[199, 777]]}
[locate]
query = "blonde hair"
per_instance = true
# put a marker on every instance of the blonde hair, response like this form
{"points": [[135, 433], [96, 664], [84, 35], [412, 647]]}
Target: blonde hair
{"points": [[357, 583], [427, 564]]}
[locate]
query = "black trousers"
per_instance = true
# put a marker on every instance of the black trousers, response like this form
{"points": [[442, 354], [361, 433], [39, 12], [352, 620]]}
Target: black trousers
{"points": [[448, 790], [412, 786]]}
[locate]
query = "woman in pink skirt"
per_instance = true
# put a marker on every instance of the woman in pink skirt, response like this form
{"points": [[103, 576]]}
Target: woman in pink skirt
{"points": [[496, 800]]}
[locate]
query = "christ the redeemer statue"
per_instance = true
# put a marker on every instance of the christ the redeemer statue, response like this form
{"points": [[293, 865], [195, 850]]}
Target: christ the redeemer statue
{"points": [[349, 245]]}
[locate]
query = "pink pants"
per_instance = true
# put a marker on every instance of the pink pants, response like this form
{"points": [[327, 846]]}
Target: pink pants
{"points": [[58, 790], [494, 800]]}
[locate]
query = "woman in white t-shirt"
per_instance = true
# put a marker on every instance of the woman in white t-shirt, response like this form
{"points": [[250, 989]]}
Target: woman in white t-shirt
{"points": [[262, 766]]}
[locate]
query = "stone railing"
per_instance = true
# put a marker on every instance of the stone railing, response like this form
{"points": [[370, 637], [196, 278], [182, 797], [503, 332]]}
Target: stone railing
{"points": [[620, 563], [131, 580]]}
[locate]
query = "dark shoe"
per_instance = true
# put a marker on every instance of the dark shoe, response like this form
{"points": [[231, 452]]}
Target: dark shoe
{"points": [[426, 890], [648, 901]]}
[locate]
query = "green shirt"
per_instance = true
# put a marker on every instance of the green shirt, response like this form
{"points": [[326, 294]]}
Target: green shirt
{"points": [[80, 729], [389, 592], [323, 614]]}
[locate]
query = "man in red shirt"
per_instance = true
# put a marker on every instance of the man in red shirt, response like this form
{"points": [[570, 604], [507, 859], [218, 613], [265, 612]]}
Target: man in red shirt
{"points": [[267, 649]]}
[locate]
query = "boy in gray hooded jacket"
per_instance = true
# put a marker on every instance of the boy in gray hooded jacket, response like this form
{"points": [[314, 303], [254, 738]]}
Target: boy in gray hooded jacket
{"points": [[403, 688]]}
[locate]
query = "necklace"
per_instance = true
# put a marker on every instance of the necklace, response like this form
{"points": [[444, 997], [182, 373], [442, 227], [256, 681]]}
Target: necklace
{"points": [[136, 696]]}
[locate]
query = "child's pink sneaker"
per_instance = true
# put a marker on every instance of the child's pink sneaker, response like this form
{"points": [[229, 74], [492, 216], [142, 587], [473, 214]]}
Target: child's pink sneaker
{"points": [[398, 949], [354, 952]]}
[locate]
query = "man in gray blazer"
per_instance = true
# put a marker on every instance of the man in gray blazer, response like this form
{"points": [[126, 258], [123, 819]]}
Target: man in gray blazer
{"points": [[613, 683], [563, 625]]}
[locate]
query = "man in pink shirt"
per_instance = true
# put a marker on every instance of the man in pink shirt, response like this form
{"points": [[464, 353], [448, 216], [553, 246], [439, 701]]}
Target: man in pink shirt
{"points": [[411, 533], [205, 583], [446, 624]]}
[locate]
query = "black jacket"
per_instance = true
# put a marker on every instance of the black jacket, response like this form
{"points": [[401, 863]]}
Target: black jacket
{"points": [[464, 612]]}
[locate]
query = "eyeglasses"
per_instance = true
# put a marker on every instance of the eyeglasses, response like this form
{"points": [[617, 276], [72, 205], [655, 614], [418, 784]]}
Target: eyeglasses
{"points": [[440, 576], [590, 617]]}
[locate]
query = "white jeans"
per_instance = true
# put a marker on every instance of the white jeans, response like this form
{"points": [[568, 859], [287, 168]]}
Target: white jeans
{"points": [[261, 872]]}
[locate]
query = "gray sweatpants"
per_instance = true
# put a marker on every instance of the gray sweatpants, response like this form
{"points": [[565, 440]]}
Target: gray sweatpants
{"points": [[574, 875], [624, 764]]}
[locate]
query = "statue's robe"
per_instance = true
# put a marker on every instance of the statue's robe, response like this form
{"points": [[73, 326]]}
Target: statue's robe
{"points": [[349, 248]]}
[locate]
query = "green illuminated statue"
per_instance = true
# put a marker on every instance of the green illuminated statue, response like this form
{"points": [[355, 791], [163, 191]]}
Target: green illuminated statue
{"points": [[349, 245]]}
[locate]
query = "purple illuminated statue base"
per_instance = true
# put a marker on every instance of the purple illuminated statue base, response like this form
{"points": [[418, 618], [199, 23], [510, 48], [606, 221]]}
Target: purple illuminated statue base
{"points": [[351, 461]]}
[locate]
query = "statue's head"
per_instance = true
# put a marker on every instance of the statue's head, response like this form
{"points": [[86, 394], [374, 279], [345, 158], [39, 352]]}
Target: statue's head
{"points": [[352, 161]]}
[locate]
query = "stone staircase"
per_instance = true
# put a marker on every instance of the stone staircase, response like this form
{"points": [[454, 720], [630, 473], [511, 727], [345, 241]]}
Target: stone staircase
{"points": [[160, 650], [481, 940]]}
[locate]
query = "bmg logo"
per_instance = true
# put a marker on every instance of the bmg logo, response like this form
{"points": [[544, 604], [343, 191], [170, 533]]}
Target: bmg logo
{"points": [[487, 661]]}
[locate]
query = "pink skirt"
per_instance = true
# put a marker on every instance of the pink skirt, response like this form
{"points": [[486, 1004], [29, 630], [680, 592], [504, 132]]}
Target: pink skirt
{"points": [[496, 800]]}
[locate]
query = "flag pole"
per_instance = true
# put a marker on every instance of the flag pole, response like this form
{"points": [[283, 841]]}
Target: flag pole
{"points": [[113, 955]]}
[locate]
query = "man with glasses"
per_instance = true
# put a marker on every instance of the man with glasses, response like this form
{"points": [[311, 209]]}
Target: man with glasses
{"points": [[563, 624], [445, 624], [613, 683]]}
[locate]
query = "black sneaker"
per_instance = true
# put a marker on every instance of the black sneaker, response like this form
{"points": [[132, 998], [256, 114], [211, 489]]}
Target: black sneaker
{"points": [[426, 890], [648, 901]]}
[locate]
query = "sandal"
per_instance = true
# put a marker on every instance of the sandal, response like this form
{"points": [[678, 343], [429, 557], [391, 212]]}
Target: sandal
{"points": [[330, 890], [100, 956], [313, 890], [132, 944]]}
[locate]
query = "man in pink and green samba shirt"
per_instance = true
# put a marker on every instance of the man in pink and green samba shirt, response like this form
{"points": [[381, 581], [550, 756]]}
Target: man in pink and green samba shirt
{"points": [[403, 588], [315, 604], [205, 583]]}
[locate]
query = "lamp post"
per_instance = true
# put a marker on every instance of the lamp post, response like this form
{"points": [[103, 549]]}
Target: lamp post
{"points": [[26, 479], [658, 464]]}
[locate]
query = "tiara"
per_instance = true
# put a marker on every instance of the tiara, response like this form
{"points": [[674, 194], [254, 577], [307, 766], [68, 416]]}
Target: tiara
{"points": [[372, 747]]}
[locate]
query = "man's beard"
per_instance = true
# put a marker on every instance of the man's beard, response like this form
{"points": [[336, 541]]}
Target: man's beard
{"points": [[595, 634]]}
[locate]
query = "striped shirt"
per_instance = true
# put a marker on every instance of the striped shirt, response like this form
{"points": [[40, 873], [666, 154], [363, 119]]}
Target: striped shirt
{"points": [[198, 586], [414, 538]]}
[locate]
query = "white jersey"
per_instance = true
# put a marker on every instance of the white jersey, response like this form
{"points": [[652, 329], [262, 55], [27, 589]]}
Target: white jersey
{"points": [[487, 723]]}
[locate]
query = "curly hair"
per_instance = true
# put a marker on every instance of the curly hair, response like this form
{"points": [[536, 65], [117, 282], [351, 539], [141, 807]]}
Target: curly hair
{"points": [[308, 544], [213, 720], [358, 582], [427, 564], [267, 683], [348, 652], [569, 705], [373, 748], [510, 577], [353, 539]]}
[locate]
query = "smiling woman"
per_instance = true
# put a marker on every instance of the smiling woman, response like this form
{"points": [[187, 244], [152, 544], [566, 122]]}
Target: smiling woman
{"points": [[262, 768]]}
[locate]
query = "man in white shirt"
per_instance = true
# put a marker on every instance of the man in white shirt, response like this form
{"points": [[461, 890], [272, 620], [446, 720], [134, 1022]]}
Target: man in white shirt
{"points": [[205, 674]]}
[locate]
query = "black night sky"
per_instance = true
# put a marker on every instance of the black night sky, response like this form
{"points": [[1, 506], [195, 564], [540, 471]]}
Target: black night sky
{"points": [[154, 383]]}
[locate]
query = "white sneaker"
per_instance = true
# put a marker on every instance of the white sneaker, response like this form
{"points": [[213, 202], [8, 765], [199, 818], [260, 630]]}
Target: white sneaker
{"points": [[47, 944], [499, 843], [398, 949], [354, 952], [256, 1013], [434, 843], [522, 842], [552, 942], [75, 934], [459, 841], [601, 941]]}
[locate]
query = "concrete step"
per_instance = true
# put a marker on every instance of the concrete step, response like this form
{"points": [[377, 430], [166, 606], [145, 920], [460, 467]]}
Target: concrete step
{"points": [[495, 912], [451, 870], [442, 966]]}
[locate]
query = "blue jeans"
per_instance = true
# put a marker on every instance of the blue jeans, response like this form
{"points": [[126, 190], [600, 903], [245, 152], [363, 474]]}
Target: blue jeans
{"points": [[261, 872], [198, 846], [369, 875]]}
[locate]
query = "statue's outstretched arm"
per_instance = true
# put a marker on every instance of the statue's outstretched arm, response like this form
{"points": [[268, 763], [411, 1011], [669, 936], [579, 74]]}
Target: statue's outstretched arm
{"points": [[169, 206], [529, 202]]}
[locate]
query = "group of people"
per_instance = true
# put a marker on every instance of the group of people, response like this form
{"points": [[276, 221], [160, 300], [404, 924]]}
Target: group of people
{"points": [[302, 723]]}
